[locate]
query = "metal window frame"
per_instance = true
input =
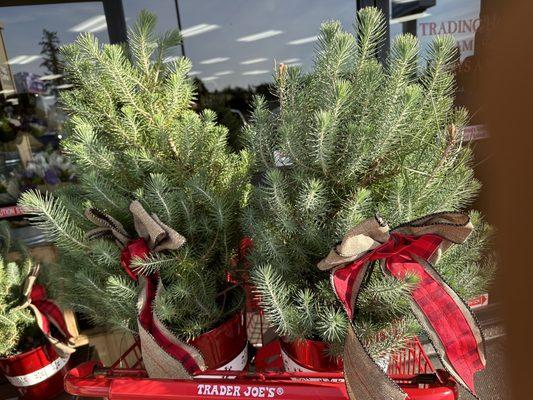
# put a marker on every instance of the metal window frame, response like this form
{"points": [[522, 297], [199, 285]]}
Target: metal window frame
{"points": [[416, 6], [384, 6], [113, 10]]}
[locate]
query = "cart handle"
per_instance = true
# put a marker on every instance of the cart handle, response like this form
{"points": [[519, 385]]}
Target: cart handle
{"points": [[81, 380], [90, 379]]}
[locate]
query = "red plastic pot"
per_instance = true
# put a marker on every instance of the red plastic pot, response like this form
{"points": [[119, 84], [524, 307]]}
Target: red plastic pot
{"points": [[225, 347], [37, 374], [306, 355]]}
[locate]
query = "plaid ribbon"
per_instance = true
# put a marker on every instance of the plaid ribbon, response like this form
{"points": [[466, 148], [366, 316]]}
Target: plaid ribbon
{"points": [[139, 249], [47, 313], [449, 323], [164, 356]]}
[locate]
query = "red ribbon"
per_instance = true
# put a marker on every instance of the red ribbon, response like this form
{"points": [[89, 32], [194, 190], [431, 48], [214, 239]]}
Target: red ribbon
{"points": [[50, 312], [139, 249], [135, 249], [441, 310]]}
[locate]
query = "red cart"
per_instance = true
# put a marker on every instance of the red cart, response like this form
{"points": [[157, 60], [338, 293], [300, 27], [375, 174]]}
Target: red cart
{"points": [[410, 367], [264, 378]]}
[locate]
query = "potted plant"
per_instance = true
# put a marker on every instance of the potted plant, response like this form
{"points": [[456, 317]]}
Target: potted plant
{"points": [[351, 138], [32, 364], [145, 159]]}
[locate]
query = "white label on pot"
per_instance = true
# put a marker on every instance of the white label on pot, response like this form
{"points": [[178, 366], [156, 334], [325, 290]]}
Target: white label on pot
{"points": [[292, 366], [35, 377], [237, 364], [383, 363]]}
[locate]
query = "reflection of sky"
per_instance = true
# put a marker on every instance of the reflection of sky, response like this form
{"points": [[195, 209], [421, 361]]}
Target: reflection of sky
{"points": [[287, 20], [219, 57], [296, 19], [23, 28]]}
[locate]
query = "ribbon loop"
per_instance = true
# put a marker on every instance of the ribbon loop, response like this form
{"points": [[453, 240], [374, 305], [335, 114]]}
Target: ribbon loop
{"points": [[47, 312], [366, 236], [158, 235], [411, 248], [164, 355], [107, 227]]}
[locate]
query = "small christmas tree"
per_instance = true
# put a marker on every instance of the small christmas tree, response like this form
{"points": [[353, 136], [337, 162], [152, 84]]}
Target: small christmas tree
{"points": [[134, 136], [50, 52], [353, 138], [16, 323]]}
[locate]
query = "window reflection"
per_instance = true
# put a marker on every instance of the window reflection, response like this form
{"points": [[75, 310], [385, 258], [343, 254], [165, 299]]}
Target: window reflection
{"points": [[31, 79], [237, 43]]}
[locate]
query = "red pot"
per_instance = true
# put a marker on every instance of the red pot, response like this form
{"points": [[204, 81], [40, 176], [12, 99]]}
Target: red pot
{"points": [[225, 347], [306, 355], [37, 374]]}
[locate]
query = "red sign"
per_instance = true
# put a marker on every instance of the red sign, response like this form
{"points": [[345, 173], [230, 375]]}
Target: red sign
{"points": [[11, 211], [479, 301]]}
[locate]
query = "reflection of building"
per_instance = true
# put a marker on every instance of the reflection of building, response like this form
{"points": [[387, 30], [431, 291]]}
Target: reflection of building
{"points": [[26, 82], [7, 84]]}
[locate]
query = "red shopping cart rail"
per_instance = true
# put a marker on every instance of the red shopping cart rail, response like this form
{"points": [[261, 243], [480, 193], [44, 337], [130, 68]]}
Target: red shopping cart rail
{"points": [[126, 379]]}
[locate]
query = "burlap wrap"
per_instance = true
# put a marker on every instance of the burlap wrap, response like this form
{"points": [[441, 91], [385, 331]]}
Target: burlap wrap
{"points": [[164, 355], [47, 312], [372, 241]]}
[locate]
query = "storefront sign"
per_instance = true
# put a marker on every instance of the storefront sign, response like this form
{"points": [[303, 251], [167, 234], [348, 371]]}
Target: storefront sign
{"points": [[459, 18]]}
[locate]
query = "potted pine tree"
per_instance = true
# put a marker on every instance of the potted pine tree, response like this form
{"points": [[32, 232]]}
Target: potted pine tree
{"points": [[351, 138], [146, 160], [32, 364]]}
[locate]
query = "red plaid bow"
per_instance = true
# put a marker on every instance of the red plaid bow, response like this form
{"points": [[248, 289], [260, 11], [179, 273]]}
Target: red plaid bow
{"points": [[47, 313], [139, 249], [441, 310], [404, 251]]}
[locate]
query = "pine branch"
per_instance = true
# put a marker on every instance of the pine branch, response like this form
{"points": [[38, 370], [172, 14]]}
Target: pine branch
{"points": [[332, 324], [53, 219], [275, 299]]}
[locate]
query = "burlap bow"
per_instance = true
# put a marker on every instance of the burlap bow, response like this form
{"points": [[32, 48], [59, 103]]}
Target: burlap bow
{"points": [[410, 248], [156, 234], [164, 355], [47, 312]]}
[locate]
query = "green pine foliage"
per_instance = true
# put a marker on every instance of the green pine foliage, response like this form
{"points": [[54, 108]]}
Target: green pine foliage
{"points": [[14, 323], [133, 134], [352, 138]]}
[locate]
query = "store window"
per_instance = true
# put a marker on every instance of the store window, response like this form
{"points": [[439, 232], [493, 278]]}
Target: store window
{"points": [[469, 22], [31, 123], [234, 45], [465, 22]]}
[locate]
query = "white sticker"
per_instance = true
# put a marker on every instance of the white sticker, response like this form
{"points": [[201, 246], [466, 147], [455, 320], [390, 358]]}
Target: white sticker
{"points": [[292, 366], [35, 377], [237, 364]]}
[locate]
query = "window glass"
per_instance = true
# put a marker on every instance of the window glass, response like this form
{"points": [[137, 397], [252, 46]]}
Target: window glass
{"points": [[31, 77], [165, 10], [235, 43], [459, 18]]}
